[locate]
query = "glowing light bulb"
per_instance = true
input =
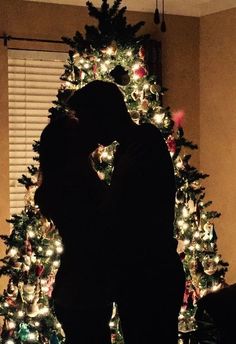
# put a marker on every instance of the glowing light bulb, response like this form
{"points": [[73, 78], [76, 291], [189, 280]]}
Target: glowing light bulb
{"points": [[59, 249], [135, 66], [185, 225], [86, 65], [49, 252], [31, 233], [11, 325], [56, 263], [180, 223], [185, 212], [198, 247], [10, 341], [129, 53], [196, 234], [32, 336], [103, 67], [13, 251], [20, 314]]}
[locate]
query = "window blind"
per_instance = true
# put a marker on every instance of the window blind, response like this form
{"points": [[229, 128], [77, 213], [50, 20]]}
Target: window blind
{"points": [[33, 82]]}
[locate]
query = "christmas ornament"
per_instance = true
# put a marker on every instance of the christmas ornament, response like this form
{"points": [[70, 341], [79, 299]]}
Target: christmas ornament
{"points": [[171, 144], [209, 265], [54, 339], [144, 105], [140, 72], [23, 332], [135, 115], [120, 75], [154, 88], [208, 231], [141, 53]]}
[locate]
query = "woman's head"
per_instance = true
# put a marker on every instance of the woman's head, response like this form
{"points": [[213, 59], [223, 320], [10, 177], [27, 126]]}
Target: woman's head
{"points": [[101, 110]]}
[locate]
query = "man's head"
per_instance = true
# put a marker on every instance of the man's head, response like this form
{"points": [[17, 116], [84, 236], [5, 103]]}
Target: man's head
{"points": [[101, 110]]}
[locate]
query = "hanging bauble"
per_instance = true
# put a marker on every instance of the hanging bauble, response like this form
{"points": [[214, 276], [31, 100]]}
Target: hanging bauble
{"points": [[39, 269], [179, 163], [32, 310], [209, 265], [141, 53], [155, 88], [120, 75], [144, 105], [135, 115], [208, 231], [23, 332], [171, 144], [135, 95], [54, 339], [140, 72]]}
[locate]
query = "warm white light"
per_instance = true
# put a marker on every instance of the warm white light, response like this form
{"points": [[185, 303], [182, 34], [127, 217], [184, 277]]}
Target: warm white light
{"points": [[40, 249], [136, 66], [129, 53], [146, 86], [45, 289], [57, 242], [185, 225], [59, 249], [49, 252], [31, 233], [135, 77], [185, 212], [103, 67], [180, 223], [198, 247], [10, 341], [11, 325], [186, 241], [86, 65], [44, 310], [196, 234], [20, 314], [56, 263], [36, 324], [13, 251], [32, 336]]}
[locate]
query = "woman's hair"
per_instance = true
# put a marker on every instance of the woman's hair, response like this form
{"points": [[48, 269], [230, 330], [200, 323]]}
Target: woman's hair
{"points": [[57, 151]]}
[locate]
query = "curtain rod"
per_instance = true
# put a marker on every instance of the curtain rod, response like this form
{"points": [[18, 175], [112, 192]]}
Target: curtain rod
{"points": [[7, 38]]}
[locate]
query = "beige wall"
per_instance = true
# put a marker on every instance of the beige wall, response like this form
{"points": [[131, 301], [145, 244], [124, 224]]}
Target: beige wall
{"points": [[218, 125], [49, 21]]}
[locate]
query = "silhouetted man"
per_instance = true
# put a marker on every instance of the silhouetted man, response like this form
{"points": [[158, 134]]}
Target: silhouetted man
{"points": [[147, 278]]}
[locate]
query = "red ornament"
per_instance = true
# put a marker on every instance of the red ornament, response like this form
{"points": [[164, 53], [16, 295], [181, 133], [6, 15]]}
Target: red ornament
{"points": [[39, 270], [171, 144], [140, 72]]}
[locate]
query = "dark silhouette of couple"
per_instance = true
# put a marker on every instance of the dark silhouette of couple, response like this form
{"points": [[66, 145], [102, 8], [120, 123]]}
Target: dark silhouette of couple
{"points": [[118, 239]]}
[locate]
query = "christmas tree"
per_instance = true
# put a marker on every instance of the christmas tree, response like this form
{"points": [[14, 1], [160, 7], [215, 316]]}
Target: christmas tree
{"points": [[110, 51]]}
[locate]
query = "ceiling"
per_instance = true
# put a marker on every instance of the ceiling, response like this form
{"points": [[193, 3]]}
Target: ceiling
{"points": [[195, 8]]}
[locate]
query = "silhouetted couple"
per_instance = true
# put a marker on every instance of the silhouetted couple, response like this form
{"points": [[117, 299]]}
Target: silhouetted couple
{"points": [[118, 239]]}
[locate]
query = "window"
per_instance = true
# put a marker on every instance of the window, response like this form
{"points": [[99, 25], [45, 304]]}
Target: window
{"points": [[33, 82]]}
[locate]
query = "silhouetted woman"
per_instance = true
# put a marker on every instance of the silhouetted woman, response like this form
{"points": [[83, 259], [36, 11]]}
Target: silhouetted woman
{"points": [[70, 194]]}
